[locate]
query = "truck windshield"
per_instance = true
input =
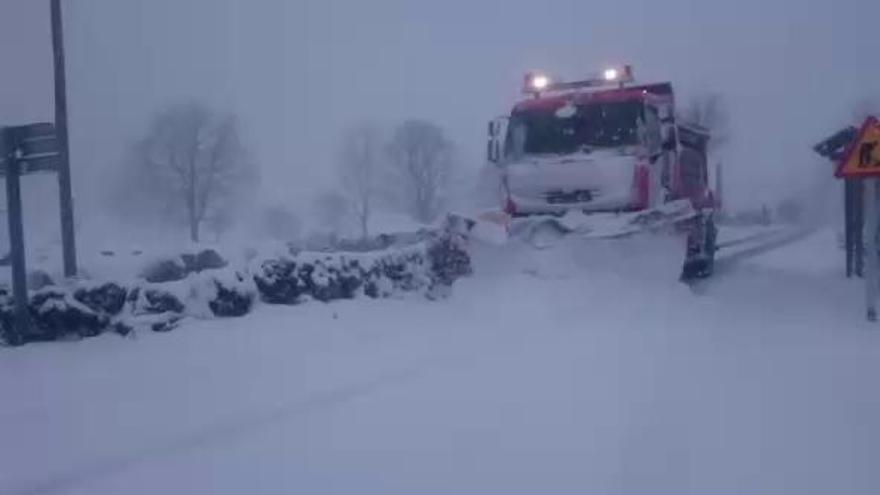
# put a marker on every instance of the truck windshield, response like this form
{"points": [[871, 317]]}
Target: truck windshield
{"points": [[573, 128]]}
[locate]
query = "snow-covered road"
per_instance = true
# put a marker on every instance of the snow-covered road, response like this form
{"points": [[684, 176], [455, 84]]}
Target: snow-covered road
{"points": [[557, 371]]}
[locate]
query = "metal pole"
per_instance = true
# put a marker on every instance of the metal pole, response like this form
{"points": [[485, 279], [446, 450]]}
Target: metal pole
{"points": [[858, 226], [68, 238], [849, 225], [16, 237], [872, 278]]}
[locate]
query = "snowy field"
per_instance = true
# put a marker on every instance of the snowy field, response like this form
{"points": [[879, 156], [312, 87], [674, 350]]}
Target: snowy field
{"points": [[572, 370]]}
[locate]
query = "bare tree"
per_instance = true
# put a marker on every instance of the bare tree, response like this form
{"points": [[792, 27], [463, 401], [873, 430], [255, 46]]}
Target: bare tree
{"points": [[358, 169], [709, 110], [421, 159], [193, 162]]}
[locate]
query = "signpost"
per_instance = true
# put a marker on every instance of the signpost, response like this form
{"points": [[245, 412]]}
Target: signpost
{"points": [[41, 147], [25, 149], [62, 166], [834, 148], [862, 161]]}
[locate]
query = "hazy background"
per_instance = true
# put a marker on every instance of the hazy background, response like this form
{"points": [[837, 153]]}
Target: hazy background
{"points": [[298, 72]]}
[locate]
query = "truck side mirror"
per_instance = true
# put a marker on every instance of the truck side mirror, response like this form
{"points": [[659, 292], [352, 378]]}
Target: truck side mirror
{"points": [[493, 146], [495, 127]]}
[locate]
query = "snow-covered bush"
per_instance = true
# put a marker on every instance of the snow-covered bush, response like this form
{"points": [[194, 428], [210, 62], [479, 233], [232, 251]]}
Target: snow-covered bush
{"points": [[166, 270], [449, 261], [163, 322], [180, 267], [206, 259], [405, 264], [108, 298], [232, 296], [154, 300], [56, 314], [426, 263]]}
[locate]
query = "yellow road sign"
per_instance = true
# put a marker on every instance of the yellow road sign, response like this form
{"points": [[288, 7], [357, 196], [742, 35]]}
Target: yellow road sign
{"points": [[862, 159]]}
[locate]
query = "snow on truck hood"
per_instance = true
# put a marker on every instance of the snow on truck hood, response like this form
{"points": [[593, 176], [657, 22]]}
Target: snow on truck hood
{"points": [[607, 173]]}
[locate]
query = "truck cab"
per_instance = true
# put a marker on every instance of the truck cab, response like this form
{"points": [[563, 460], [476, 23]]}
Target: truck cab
{"points": [[598, 145]]}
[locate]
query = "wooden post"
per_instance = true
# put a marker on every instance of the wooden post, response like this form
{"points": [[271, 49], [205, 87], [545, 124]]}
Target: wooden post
{"points": [[68, 238]]}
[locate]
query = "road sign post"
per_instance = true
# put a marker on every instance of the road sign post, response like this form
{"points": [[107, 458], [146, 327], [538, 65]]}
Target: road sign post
{"points": [[16, 234], [834, 148], [854, 209], [872, 277], [23, 149], [862, 162]]}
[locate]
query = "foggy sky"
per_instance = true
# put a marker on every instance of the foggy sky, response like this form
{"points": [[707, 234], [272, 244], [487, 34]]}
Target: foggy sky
{"points": [[298, 72]]}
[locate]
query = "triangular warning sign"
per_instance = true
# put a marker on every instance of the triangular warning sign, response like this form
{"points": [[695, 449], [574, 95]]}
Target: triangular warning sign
{"points": [[862, 158]]}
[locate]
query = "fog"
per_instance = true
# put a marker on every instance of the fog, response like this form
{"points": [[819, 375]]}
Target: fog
{"points": [[299, 72], [228, 330]]}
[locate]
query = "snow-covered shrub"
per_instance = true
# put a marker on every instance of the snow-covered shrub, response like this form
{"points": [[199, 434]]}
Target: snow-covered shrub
{"points": [[331, 278], [154, 300], [163, 322], [449, 260], [207, 259], [405, 264], [278, 282], [233, 295], [180, 267], [404, 271], [156, 307], [108, 298], [55, 314], [293, 280], [423, 263], [167, 270]]}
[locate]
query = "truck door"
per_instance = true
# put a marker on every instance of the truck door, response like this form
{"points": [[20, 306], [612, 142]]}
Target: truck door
{"points": [[657, 137], [693, 174]]}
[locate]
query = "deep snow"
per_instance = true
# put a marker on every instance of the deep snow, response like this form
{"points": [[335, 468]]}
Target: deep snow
{"points": [[575, 369]]}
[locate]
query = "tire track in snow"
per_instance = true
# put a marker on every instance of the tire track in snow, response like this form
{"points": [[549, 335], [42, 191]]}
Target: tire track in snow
{"points": [[774, 241], [765, 243]]}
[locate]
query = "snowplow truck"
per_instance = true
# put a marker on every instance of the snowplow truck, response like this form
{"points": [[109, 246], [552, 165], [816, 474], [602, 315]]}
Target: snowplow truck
{"points": [[603, 157]]}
